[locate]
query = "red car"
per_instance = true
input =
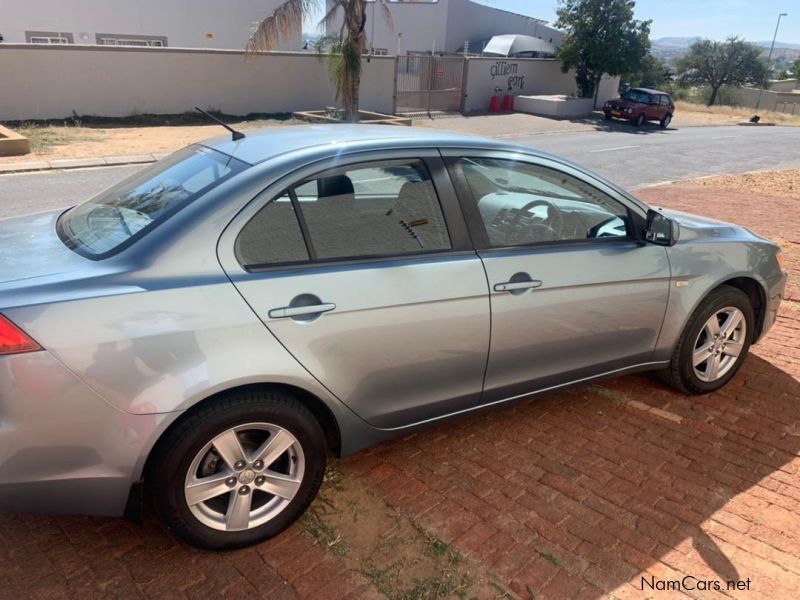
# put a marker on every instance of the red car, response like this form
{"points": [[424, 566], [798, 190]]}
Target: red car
{"points": [[638, 105]]}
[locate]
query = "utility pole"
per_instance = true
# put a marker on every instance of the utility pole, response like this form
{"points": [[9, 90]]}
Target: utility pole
{"points": [[769, 60]]}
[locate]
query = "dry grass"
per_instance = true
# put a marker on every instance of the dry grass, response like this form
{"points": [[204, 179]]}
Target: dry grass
{"points": [[782, 183], [730, 114], [66, 140]]}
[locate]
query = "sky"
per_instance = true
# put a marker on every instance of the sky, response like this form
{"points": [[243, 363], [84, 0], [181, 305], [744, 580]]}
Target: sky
{"points": [[717, 19]]}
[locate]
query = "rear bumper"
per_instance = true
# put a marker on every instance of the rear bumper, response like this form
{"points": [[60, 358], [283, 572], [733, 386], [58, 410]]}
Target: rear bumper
{"points": [[63, 449]]}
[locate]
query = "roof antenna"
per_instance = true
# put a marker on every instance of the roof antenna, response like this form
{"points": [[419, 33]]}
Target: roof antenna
{"points": [[237, 135]]}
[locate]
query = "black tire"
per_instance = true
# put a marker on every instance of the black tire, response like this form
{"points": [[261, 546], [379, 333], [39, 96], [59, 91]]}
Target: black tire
{"points": [[639, 122], [607, 116], [664, 123], [680, 372], [182, 443]]}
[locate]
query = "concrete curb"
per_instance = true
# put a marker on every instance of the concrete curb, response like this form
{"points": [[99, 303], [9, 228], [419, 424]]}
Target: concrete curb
{"points": [[78, 163]]}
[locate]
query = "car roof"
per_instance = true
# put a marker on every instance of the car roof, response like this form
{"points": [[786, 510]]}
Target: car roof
{"points": [[263, 144], [649, 91]]}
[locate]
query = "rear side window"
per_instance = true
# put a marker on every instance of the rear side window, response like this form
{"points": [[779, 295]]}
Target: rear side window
{"points": [[386, 208], [664, 100], [273, 236], [117, 217]]}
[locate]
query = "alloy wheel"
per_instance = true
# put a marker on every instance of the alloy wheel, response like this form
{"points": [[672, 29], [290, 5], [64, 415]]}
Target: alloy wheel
{"points": [[244, 476], [719, 344]]}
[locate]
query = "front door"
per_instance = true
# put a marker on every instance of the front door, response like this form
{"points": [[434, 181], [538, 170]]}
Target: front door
{"points": [[360, 276], [573, 293]]}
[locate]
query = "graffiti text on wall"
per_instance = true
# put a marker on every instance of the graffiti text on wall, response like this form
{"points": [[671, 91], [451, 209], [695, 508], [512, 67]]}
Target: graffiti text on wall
{"points": [[503, 68]]}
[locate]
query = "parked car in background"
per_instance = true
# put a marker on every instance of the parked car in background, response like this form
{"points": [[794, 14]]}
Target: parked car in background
{"points": [[207, 330], [638, 105]]}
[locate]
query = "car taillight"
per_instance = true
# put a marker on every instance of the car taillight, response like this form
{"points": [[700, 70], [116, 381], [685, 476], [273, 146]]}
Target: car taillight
{"points": [[13, 340]]}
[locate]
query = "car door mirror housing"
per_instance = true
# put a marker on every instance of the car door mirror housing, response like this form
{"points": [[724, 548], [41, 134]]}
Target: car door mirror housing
{"points": [[660, 229]]}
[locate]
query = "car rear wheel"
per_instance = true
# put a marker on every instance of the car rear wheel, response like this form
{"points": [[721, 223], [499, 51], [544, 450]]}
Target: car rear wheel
{"points": [[238, 470], [666, 121], [714, 343], [639, 120]]}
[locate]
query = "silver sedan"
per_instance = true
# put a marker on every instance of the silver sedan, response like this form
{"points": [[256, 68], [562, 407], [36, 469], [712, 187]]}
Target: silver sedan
{"points": [[207, 330]]}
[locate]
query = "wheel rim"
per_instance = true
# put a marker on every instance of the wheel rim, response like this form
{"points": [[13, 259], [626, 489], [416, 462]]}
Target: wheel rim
{"points": [[244, 477], [667, 120], [719, 344], [640, 120]]}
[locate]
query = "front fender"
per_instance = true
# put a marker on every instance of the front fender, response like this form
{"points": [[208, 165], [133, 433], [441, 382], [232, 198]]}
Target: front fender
{"points": [[698, 267]]}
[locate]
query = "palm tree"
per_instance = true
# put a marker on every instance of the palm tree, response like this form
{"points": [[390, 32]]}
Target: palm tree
{"points": [[345, 49]]}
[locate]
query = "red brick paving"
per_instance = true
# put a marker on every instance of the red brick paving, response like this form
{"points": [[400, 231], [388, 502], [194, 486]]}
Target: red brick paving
{"points": [[579, 494]]}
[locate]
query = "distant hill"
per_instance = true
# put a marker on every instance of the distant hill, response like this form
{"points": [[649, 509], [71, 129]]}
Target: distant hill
{"points": [[676, 42], [671, 49]]}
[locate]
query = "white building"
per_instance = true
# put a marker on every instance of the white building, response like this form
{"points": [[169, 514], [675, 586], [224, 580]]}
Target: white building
{"points": [[176, 23], [444, 25]]}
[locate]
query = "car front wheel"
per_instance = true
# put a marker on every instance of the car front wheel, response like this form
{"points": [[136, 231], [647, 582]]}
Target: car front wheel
{"points": [[714, 343], [639, 120], [238, 470]]}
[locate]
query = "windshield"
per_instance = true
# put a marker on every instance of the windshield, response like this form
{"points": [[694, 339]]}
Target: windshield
{"points": [[637, 96], [117, 217]]}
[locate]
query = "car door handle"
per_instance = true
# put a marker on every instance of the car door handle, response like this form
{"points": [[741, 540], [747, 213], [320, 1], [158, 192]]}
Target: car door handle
{"points": [[510, 286], [287, 312]]}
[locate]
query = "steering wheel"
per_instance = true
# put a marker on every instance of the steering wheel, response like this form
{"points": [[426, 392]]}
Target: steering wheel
{"points": [[552, 224], [592, 233]]}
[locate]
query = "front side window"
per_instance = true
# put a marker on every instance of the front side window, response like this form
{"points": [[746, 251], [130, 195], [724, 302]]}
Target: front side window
{"points": [[521, 203], [125, 212], [386, 208], [637, 96]]}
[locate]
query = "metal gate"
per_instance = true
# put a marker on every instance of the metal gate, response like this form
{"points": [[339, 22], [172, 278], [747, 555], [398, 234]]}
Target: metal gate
{"points": [[429, 84]]}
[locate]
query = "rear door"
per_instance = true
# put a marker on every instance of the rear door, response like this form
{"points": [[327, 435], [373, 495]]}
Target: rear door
{"points": [[573, 293], [654, 110], [362, 268]]}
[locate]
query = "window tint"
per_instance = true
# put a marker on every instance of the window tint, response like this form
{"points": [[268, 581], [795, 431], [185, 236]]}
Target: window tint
{"points": [[273, 236], [664, 100], [131, 208], [635, 95], [374, 209], [521, 203]]}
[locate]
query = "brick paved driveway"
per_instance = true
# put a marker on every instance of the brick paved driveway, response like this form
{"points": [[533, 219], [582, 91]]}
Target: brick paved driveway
{"points": [[576, 494]]}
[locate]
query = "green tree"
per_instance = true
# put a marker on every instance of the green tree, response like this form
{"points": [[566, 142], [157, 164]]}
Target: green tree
{"points": [[601, 37], [796, 68], [346, 48], [732, 62], [653, 73]]}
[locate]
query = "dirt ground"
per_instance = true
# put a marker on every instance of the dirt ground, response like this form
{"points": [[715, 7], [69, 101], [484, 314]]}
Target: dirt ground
{"points": [[81, 140], [597, 492], [691, 114], [53, 142], [772, 183]]}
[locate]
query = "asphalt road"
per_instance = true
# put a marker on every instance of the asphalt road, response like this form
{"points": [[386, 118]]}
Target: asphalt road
{"points": [[630, 157]]}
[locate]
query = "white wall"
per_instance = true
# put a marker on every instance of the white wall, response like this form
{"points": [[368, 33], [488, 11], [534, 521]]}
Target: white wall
{"points": [[422, 24], [445, 25], [527, 77], [50, 82], [469, 21], [183, 22]]}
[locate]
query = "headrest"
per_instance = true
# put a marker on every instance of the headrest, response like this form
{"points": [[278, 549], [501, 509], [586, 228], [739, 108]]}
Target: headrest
{"points": [[336, 185]]}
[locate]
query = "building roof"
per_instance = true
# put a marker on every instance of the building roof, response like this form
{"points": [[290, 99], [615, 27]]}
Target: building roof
{"points": [[513, 44]]}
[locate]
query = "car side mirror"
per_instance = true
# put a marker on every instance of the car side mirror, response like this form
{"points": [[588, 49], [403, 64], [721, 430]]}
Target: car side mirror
{"points": [[660, 229]]}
